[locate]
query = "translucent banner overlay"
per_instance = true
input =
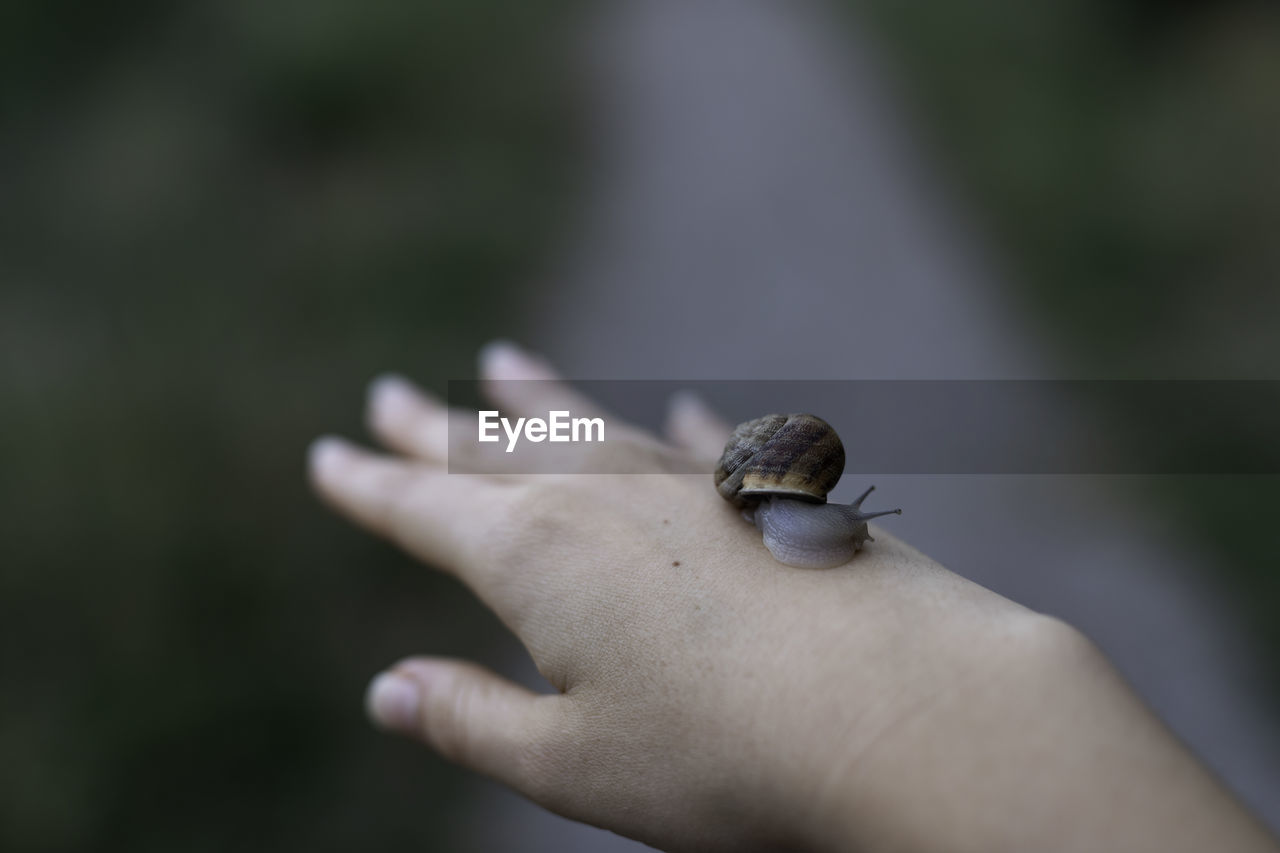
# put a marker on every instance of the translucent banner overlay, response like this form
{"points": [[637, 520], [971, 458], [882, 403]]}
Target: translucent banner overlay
{"points": [[889, 426]]}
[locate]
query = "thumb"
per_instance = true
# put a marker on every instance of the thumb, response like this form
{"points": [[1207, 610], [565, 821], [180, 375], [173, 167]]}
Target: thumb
{"points": [[471, 717]]}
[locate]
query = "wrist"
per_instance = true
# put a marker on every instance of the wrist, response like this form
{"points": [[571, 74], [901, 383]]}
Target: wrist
{"points": [[941, 765], [1048, 750]]}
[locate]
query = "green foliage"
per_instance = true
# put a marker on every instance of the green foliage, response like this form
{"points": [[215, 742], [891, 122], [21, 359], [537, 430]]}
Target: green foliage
{"points": [[221, 220]]}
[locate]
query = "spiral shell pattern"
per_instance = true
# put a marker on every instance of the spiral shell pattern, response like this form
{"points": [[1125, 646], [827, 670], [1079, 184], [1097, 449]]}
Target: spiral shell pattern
{"points": [[795, 456]]}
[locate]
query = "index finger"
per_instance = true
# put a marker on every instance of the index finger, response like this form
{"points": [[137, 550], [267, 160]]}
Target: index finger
{"points": [[443, 519]]}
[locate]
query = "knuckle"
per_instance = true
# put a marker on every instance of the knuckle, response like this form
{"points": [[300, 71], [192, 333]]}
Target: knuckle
{"points": [[544, 762], [600, 458], [536, 513], [628, 453], [642, 454], [449, 727]]}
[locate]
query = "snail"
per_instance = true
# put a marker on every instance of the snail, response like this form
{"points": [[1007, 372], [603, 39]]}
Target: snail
{"points": [[778, 469]]}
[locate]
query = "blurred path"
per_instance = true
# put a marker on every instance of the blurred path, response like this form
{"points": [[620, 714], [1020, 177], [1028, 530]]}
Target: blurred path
{"points": [[759, 211]]}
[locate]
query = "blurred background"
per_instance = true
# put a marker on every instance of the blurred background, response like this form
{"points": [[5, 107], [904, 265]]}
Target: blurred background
{"points": [[220, 220]]}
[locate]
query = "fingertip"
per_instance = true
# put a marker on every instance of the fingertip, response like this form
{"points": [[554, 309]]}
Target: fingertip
{"points": [[389, 385], [497, 355], [497, 348], [325, 453], [504, 359], [691, 423], [394, 703], [389, 396], [686, 403], [471, 716]]}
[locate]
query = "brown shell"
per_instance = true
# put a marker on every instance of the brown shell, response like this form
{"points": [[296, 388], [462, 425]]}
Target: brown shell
{"points": [[797, 456]]}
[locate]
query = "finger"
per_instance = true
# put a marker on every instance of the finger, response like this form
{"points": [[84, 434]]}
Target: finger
{"points": [[413, 422], [438, 517], [527, 385], [693, 425], [474, 718], [407, 419]]}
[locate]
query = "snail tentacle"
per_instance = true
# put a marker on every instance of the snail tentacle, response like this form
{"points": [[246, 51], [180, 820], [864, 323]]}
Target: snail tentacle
{"points": [[816, 536]]}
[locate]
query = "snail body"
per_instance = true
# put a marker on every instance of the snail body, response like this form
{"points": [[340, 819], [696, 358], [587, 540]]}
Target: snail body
{"points": [[778, 469]]}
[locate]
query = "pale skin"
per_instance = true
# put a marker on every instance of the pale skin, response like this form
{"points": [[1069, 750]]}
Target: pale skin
{"points": [[709, 698]]}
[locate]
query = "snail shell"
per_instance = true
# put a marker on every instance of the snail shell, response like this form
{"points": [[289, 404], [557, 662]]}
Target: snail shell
{"points": [[792, 456], [778, 469]]}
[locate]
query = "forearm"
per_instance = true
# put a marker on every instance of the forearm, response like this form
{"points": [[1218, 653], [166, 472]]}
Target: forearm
{"points": [[1049, 751]]}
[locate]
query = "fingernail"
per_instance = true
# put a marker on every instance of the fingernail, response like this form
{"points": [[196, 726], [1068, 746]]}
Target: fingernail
{"points": [[390, 394], [393, 703], [324, 451]]}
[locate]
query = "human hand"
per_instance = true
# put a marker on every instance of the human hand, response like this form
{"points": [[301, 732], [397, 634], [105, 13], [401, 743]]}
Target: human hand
{"points": [[708, 697]]}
